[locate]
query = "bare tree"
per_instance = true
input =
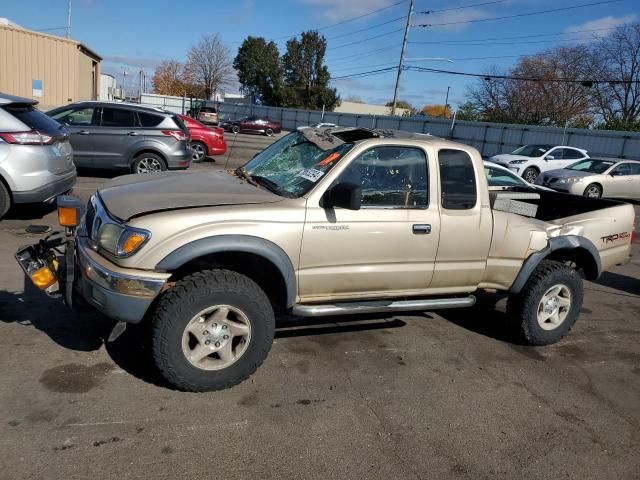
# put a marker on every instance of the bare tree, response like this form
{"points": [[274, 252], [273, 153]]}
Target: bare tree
{"points": [[617, 57], [209, 65]]}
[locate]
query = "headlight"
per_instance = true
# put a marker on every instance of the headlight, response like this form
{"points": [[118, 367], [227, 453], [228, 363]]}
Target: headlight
{"points": [[121, 241], [571, 180], [517, 162]]}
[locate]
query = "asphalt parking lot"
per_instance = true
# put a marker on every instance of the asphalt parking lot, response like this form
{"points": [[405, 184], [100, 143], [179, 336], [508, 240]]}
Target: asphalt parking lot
{"points": [[451, 395]]}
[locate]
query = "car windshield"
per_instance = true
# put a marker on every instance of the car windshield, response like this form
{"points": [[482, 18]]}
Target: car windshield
{"points": [[291, 166], [531, 150], [591, 166], [497, 177]]}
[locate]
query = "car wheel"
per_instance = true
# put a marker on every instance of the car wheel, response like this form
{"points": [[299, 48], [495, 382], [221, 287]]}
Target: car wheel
{"points": [[593, 191], [235, 129], [211, 331], [268, 132], [5, 200], [148, 163], [530, 174], [549, 303], [199, 151]]}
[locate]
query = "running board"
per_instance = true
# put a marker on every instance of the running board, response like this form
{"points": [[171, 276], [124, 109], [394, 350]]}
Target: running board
{"points": [[382, 306]]}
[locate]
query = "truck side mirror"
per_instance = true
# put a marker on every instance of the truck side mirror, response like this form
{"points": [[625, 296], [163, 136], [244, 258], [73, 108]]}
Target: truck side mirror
{"points": [[343, 195]]}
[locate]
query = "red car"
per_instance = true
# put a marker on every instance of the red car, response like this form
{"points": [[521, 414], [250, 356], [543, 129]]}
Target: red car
{"points": [[263, 126], [205, 141]]}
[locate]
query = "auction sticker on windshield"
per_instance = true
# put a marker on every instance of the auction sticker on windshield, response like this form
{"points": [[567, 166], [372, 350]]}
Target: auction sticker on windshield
{"points": [[311, 174]]}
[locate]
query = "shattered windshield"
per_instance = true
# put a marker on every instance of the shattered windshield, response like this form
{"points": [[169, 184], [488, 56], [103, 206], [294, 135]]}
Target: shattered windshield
{"points": [[293, 165]]}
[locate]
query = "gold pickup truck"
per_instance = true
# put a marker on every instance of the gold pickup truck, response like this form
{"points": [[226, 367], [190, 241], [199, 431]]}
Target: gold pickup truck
{"points": [[325, 221]]}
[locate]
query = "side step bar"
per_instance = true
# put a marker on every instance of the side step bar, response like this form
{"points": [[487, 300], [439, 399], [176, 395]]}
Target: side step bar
{"points": [[382, 306]]}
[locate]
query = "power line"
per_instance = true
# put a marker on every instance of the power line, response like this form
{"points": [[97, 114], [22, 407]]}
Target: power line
{"points": [[361, 54], [367, 28], [530, 42], [585, 81], [453, 42], [427, 12], [365, 66], [326, 27], [519, 15], [366, 39], [366, 74]]}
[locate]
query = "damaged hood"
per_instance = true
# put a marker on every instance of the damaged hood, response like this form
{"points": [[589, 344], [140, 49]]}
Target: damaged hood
{"points": [[133, 195]]}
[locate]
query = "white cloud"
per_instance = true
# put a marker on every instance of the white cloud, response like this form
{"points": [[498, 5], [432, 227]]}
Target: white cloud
{"points": [[602, 26], [337, 10]]}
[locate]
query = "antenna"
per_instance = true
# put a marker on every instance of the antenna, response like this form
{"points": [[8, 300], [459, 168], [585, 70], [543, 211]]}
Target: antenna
{"points": [[68, 19]]}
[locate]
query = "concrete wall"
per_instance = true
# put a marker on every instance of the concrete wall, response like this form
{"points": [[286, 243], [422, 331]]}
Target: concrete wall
{"points": [[65, 67], [367, 109]]}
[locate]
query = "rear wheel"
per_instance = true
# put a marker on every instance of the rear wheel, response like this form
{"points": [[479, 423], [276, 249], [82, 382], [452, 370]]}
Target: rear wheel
{"points": [[268, 132], [235, 129], [549, 303], [530, 174], [593, 191], [148, 163], [199, 151], [211, 331], [5, 200]]}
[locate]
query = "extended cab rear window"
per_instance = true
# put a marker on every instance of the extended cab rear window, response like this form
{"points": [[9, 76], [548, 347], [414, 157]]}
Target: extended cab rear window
{"points": [[457, 180]]}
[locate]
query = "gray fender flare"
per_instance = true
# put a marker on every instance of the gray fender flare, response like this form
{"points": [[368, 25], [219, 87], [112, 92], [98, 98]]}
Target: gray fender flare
{"points": [[235, 243], [566, 242]]}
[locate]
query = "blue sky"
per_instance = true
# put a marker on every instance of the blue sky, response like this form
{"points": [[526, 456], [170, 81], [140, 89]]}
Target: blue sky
{"points": [[139, 34]]}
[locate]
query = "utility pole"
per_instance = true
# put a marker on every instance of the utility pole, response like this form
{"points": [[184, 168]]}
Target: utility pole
{"points": [[401, 64], [446, 102], [69, 19], [124, 84]]}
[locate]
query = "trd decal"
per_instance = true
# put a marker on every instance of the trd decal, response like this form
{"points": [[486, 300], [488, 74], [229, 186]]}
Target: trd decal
{"points": [[615, 236]]}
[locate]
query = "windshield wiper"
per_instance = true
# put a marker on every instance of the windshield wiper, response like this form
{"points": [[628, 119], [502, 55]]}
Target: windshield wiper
{"points": [[242, 173], [270, 185]]}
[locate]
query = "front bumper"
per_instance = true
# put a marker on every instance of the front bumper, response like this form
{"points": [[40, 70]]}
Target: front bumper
{"points": [[47, 191], [119, 293]]}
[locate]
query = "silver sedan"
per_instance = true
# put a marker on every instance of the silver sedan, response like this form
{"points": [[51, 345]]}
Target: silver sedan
{"points": [[610, 178]]}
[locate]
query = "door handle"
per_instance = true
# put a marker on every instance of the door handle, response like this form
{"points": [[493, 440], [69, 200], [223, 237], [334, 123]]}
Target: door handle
{"points": [[83, 132], [133, 134], [421, 228]]}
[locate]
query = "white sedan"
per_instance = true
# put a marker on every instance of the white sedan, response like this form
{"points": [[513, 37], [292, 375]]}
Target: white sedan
{"points": [[501, 178], [529, 161]]}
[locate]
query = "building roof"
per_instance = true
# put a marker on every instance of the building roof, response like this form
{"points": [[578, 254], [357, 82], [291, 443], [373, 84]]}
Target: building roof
{"points": [[8, 24]]}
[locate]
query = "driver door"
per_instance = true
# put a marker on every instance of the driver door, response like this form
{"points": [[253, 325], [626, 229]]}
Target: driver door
{"points": [[385, 249], [81, 123]]}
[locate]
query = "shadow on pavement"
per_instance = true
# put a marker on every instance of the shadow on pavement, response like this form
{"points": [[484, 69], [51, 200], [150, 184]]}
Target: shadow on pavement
{"points": [[30, 211], [624, 283]]}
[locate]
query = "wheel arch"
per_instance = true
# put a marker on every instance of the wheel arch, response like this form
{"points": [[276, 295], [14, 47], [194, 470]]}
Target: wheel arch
{"points": [[259, 259], [568, 248], [146, 149]]}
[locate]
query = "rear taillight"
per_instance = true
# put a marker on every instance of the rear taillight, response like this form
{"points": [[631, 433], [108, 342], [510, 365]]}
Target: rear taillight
{"points": [[27, 138], [179, 135]]}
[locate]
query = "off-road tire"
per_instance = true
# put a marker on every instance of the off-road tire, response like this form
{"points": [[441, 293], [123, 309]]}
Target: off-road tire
{"points": [[5, 200], [523, 307], [593, 190], [190, 296], [528, 172]]}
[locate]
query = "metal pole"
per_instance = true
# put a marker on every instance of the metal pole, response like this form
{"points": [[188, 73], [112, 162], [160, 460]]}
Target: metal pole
{"points": [[401, 64], [446, 102], [69, 19]]}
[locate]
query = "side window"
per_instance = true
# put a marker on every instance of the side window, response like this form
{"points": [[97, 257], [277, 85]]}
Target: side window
{"points": [[623, 169], [497, 177], [457, 180], [557, 154], [635, 168], [149, 119], [75, 116], [571, 154], [390, 177], [118, 117]]}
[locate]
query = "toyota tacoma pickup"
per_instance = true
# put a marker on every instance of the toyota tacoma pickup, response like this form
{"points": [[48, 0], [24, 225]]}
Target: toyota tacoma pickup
{"points": [[325, 221]]}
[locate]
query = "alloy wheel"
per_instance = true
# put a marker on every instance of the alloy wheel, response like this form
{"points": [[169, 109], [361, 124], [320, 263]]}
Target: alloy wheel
{"points": [[149, 165]]}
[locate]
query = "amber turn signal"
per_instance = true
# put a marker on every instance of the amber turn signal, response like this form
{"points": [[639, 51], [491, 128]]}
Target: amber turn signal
{"points": [[43, 278], [133, 242], [68, 217]]}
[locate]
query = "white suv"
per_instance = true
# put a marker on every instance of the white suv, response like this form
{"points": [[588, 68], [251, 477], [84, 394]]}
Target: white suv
{"points": [[529, 161]]}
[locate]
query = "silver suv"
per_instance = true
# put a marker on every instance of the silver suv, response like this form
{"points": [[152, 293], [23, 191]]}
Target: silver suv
{"points": [[114, 135], [36, 158]]}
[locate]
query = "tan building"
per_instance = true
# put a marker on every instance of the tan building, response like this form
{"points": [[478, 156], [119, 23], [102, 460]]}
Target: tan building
{"points": [[47, 68]]}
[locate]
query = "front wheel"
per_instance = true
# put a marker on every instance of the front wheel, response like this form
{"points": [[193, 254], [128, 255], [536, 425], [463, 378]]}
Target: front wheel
{"points": [[211, 331], [530, 174], [593, 191], [5, 200], [148, 163], [549, 303], [268, 132], [235, 129]]}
